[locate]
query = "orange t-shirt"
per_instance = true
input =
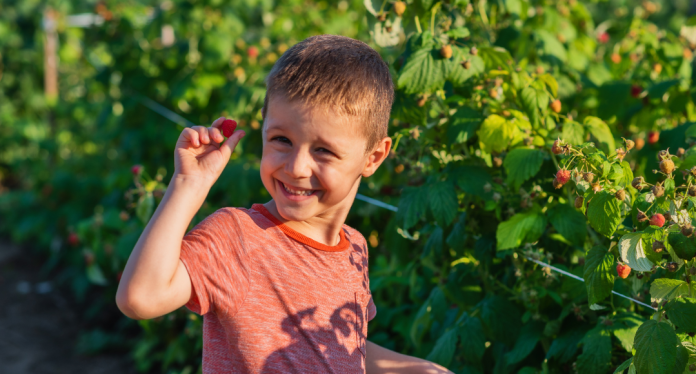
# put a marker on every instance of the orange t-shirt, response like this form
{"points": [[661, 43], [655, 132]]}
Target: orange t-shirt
{"points": [[274, 300]]}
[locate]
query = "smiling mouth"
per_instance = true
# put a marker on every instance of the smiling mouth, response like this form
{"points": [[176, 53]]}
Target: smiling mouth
{"points": [[296, 192]]}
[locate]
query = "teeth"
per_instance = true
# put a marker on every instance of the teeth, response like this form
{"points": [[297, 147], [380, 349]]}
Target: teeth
{"points": [[294, 192]]}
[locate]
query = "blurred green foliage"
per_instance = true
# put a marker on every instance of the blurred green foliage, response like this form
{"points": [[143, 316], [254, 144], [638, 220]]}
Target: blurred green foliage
{"points": [[67, 189]]}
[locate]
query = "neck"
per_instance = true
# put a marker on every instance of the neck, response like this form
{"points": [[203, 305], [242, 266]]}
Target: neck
{"points": [[324, 227]]}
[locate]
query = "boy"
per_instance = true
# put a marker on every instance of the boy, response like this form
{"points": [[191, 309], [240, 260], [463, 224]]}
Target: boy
{"points": [[283, 286]]}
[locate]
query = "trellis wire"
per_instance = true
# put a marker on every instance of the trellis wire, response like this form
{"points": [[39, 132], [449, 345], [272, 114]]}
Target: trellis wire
{"points": [[166, 113]]}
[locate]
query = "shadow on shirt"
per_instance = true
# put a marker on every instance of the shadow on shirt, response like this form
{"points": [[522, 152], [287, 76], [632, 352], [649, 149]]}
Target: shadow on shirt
{"points": [[335, 348]]}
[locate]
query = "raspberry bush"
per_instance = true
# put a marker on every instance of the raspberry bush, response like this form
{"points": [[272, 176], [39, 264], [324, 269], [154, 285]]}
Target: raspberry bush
{"points": [[523, 129]]}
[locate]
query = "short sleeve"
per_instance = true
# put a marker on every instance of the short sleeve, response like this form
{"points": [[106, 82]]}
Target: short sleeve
{"points": [[371, 309], [214, 256]]}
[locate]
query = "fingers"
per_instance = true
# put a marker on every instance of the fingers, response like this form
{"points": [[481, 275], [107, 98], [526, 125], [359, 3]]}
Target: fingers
{"points": [[231, 142], [218, 122], [203, 134], [192, 136], [215, 134]]}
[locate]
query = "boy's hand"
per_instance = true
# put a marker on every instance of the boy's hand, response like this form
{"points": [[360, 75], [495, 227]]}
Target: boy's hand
{"points": [[198, 154]]}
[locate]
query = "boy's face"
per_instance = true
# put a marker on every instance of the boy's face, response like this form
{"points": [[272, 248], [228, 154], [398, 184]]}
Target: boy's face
{"points": [[313, 159]]}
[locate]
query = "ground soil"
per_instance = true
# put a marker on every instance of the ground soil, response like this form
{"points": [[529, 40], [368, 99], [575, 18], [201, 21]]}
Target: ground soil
{"points": [[39, 325]]}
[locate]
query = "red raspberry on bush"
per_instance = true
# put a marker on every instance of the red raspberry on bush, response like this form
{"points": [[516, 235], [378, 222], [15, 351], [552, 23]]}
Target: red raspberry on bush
{"points": [[137, 169], [623, 270], [653, 137], [657, 220], [636, 90], [563, 176], [603, 37], [73, 239], [253, 52], [228, 127]]}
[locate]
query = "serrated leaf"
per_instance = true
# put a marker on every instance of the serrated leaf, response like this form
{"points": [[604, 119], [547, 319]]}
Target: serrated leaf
{"points": [[526, 342], [596, 352], [684, 247], [528, 97], [423, 71], [563, 348], [463, 125], [568, 222], [521, 164], [551, 47], [524, 227], [457, 236], [551, 83], [682, 313], [473, 179], [604, 213], [621, 368], [598, 275], [501, 319], [573, 133], [627, 175], [444, 348], [632, 252], [601, 132], [443, 202], [473, 339], [656, 348], [496, 133], [434, 243], [624, 328], [667, 289], [458, 75], [412, 205]]}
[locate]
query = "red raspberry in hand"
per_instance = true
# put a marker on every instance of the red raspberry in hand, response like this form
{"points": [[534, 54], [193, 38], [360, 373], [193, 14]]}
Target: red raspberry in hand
{"points": [[228, 127], [657, 220], [623, 270], [563, 176]]}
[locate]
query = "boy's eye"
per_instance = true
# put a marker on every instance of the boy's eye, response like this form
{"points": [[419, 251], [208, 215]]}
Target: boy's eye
{"points": [[324, 150], [282, 139]]}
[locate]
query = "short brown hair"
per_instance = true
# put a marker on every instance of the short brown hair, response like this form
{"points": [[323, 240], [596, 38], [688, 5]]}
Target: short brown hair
{"points": [[342, 73]]}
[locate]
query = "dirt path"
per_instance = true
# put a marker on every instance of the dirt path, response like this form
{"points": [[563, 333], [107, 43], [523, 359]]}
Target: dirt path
{"points": [[38, 328]]}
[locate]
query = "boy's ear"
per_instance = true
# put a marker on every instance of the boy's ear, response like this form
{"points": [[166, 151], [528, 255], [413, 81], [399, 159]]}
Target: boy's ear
{"points": [[377, 156]]}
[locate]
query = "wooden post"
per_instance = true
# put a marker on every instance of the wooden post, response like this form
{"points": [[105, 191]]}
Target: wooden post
{"points": [[50, 56]]}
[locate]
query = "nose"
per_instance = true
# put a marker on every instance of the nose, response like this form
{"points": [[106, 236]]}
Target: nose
{"points": [[299, 165]]}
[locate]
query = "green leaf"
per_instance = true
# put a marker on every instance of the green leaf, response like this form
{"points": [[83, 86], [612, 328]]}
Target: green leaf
{"points": [[423, 71], [598, 275], [656, 348], [563, 348], [463, 125], [551, 46], [656, 91], [682, 313], [500, 318], [627, 175], [521, 164], [523, 227], [604, 213], [632, 252], [458, 75], [684, 247], [568, 222], [444, 348], [495, 57], [573, 133], [496, 133], [551, 83], [528, 339], [145, 207], [601, 132], [624, 366], [624, 328], [596, 352], [472, 180], [95, 275], [473, 339], [457, 237], [412, 205], [667, 289], [528, 97], [434, 243], [443, 202]]}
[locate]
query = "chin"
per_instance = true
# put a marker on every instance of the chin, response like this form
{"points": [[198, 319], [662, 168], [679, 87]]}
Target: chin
{"points": [[294, 213]]}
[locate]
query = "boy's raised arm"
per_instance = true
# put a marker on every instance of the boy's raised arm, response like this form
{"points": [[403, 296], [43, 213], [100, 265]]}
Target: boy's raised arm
{"points": [[380, 360], [154, 281]]}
